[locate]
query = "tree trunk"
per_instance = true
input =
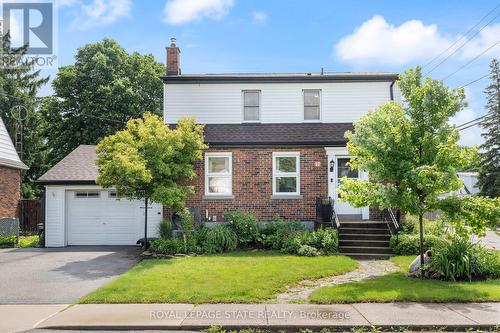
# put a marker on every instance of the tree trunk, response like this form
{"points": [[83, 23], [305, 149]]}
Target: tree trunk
{"points": [[145, 223], [421, 227]]}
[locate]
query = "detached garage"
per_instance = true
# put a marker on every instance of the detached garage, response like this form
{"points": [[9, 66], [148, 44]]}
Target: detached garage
{"points": [[79, 212]]}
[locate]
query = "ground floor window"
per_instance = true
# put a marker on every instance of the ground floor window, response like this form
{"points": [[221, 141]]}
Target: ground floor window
{"points": [[218, 174], [286, 173]]}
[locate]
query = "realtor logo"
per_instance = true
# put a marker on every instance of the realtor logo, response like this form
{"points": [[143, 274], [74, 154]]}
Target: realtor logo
{"points": [[33, 21]]}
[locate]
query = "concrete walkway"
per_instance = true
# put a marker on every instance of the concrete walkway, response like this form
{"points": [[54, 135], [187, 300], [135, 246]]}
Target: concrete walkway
{"points": [[274, 316], [18, 318]]}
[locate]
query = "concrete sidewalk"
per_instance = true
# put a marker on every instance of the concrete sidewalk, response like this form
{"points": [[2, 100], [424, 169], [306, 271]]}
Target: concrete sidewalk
{"points": [[274, 316]]}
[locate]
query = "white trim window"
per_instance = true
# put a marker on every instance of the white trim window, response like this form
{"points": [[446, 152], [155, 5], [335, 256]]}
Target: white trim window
{"points": [[251, 105], [218, 174], [312, 104], [286, 173]]}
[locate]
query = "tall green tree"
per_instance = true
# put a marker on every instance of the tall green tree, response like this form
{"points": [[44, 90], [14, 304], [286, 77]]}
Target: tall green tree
{"points": [[411, 154], [489, 173], [19, 84], [96, 95], [150, 161]]}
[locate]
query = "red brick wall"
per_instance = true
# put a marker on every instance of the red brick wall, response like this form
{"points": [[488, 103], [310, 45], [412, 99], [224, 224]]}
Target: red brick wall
{"points": [[252, 185], [10, 191]]}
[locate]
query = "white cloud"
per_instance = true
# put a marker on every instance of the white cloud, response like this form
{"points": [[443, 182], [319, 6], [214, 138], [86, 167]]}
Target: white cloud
{"points": [[259, 17], [378, 42], [184, 11], [98, 12]]}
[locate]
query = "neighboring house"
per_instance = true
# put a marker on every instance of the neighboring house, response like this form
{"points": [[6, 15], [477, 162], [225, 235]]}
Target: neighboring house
{"points": [[79, 212], [10, 175], [470, 183], [276, 141]]}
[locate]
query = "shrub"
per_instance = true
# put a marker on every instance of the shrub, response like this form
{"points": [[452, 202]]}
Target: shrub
{"points": [[167, 246], [410, 244], [459, 259], [165, 229], [188, 230], [438, 227], [245, 226], [217, 239], [308, 251], [278, 233], [325, 241]]}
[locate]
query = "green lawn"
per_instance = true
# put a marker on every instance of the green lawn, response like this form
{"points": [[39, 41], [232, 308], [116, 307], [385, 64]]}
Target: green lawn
{"points": [[397, 287], [244, 277]]}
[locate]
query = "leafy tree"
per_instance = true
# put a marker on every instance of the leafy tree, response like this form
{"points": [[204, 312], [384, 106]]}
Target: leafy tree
{"points": [[148, 160], [489, 173], [410, 152], [96, 95], [19, 83]]}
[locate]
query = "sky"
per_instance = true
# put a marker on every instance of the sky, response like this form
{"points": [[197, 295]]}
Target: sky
{"points": [[217, 36]]}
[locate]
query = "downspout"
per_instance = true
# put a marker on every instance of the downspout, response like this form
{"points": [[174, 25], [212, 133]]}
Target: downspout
{"points": [[391, 90]]}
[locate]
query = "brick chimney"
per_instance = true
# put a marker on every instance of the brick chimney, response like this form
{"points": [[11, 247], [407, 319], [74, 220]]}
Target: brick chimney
{"points": [[173, 58]]}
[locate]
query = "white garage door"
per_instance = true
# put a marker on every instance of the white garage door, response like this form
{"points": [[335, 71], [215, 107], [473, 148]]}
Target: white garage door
{"points": [[97, 217]]}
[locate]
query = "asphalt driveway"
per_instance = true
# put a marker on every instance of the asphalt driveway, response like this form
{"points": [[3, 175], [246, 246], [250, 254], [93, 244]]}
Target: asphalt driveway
{"points": [[62, 275]]}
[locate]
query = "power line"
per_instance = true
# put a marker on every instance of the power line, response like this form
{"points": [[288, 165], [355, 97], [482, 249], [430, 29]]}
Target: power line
{"points": [[474, 81], [463, 44], [471, 121], [462, 37], [472, 60]]}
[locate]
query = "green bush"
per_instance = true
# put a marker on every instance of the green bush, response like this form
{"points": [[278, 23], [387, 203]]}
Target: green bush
{"points": [[245, 226], [217, 239], [29, 241], [275, 235], [167, 246], [7, 240], [308, 251], [325, 241], [165, 229], [408, 244], [438, 227], [457, 258]]}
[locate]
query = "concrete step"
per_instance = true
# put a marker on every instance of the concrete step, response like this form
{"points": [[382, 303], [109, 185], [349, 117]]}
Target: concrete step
{"points": [[363, 225], [368, 256], [376, 231], [365, 249], [365, 237], [364, 243]]}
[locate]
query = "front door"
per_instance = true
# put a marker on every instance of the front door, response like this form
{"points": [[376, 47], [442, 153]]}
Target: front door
{"points": [[341, 207]]}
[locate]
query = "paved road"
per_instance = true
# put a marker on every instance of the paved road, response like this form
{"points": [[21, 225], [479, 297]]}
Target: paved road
{"points": [[59, 276]]}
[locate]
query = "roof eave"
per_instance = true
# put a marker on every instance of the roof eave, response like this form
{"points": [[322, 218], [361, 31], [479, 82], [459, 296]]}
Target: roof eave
{"points": [[279, 79], [65, 182], [13, 164]]}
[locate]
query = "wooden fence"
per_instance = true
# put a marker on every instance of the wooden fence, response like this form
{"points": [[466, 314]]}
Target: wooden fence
{"points": [[30, 215]]}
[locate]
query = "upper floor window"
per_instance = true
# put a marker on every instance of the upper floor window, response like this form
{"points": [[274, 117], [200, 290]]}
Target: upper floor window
{"points": [[312, 104], [286, 173], [218, 174], [251, 105]]}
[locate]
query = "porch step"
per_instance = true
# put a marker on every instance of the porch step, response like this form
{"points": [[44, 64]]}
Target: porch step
{"points": [[365, 250], [364, 237], [368, 256], [364, 243], [361, 230], [363, 225]]}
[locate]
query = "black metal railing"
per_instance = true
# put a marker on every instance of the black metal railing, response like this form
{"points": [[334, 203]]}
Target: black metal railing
{"points": [[325, 214], [392, 221]]}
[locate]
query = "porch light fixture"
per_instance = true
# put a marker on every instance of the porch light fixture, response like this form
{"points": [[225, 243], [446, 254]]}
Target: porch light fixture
{"points": [[332, 165]]}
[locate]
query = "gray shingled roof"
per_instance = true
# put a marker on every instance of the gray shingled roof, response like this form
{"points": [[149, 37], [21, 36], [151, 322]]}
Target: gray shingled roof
{"points": [[79, 166], [307, 134]]}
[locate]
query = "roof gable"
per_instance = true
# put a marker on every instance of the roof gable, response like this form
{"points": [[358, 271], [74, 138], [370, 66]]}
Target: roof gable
{"points": [[8, 153]]}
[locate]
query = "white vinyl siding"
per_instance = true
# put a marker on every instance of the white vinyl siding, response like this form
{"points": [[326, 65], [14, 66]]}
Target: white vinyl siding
{"points": [[55, 231], [341, 102]]}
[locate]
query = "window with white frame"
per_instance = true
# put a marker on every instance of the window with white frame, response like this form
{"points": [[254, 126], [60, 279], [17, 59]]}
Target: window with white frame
{"points": [[251, 105], [218, 174], [286, 173], [312, 104]]}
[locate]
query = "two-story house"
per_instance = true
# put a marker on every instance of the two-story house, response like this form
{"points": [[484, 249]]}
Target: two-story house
{"points": [[276, 141], [276, 146]]}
